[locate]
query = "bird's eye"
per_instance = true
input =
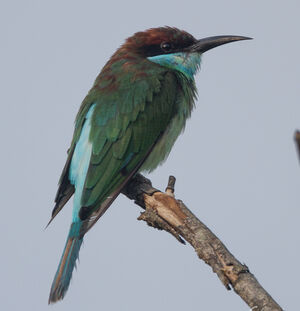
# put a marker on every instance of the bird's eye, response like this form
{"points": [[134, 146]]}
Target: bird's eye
{"points": [[166, 46]]}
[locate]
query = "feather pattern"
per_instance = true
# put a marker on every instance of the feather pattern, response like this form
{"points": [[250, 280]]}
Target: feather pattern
{"points": [[128, 122]]}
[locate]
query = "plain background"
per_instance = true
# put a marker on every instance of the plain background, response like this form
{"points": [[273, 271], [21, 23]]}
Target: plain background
{"points": [[236, 164]]}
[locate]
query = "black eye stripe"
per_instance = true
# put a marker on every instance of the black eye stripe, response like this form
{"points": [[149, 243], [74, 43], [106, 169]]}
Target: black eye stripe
{"points": [[153, 50], [164, 47]]}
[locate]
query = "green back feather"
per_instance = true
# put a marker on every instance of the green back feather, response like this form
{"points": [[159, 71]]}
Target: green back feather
{"points": [[143, 106]]}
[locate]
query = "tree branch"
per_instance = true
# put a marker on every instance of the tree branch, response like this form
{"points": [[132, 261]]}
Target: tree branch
{"points": [[297, 140], [164, 212]]}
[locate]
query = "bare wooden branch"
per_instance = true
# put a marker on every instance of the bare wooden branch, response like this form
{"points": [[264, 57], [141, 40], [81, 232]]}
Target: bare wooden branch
{"points": [[297, 140], [164, 212]]}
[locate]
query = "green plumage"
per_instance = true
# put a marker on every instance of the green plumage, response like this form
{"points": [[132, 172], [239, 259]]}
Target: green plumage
{"points": [[127, 123], [144, 112], [140, 108]]}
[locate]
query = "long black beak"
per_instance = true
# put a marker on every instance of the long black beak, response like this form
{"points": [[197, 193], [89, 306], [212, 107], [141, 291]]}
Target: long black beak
{"points": [[206, 44]]}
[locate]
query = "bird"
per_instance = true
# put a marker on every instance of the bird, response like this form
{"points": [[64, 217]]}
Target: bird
{"points": [[127, 123]]}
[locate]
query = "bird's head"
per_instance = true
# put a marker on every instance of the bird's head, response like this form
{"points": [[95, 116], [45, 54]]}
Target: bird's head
{"points": [[174, 48]]}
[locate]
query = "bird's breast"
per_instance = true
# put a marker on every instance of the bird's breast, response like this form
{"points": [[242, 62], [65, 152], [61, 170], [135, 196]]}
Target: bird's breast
{"points": [[183, 107]]}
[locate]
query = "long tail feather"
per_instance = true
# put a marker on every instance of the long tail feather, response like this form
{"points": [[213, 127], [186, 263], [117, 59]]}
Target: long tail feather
{"points": [[67, 263]]}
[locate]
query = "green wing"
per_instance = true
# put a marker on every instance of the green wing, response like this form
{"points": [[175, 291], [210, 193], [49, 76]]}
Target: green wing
{"points": [[131, 113], [126, 125]]}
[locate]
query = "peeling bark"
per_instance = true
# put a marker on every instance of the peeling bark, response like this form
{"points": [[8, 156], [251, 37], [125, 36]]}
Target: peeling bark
{"points": [[164, 212]]}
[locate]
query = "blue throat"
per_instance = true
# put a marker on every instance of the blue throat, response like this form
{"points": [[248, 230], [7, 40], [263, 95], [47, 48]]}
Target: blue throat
{"points": [[186, 63]]}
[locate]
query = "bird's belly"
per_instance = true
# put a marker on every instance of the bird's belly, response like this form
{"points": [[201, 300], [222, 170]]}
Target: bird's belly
{"points": [[164, 145]]}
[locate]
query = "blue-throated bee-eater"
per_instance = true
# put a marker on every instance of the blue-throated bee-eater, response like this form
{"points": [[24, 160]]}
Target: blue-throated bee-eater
{"points": [[127, 123]]}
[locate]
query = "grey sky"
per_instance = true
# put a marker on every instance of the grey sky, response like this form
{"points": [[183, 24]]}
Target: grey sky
{"points": [[236, 164]]}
